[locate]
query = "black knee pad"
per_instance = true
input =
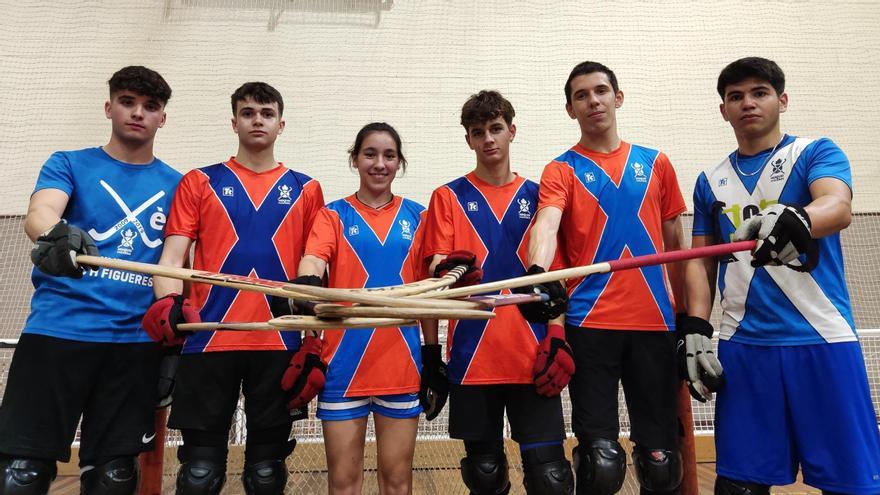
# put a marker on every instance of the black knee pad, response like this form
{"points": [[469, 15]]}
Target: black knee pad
{"points": [[27, 476], [600, 466], [485, 474], [546, 471], [726, 486], [658, 470], [265, 477], [202, 470], [118, 476]]}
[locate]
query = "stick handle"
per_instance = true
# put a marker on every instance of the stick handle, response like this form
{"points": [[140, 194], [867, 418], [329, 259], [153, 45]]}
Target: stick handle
{"points": [[681, 255]]}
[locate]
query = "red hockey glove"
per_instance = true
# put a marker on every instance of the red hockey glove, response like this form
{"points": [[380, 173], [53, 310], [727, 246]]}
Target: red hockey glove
{"points": [[472, 276], [304, 377], [554, 364], [162, 318]]}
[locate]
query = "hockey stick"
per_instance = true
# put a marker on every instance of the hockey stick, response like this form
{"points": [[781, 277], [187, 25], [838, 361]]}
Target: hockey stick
{"points": [[298, 322], [419, 287], [270, 287], [583, 271], [340, 311]]}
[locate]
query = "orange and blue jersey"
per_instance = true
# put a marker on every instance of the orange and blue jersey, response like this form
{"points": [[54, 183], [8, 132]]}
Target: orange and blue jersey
{"points": [[613, 207], [367, 247], [243, 223], [493, 222]]}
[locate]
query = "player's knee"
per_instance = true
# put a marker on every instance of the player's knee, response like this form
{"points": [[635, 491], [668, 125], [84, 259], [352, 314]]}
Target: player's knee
{"points": [[600, 466], [484, 469], [117, 476], [658, 470], [202, 470], [546, 471], [265, 472], [727, 486], [27, 476]]}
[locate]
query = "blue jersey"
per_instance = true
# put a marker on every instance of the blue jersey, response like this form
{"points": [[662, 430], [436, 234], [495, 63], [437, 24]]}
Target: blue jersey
{"points": [[123, 207], [775, 305]]}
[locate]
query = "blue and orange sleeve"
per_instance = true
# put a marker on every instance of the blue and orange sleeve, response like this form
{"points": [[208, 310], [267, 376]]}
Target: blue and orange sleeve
{"points": [[185, 213], [555, 186], [314, 202]]}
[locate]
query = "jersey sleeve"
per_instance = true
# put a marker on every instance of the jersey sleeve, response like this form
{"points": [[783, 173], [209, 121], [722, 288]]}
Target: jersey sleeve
{"points": [[56, 174], [704, 224], [555, 186], [826, 159], [671, 200], [314, 203], [185, 215], [439, 226], [324, 237], [415, 268]]}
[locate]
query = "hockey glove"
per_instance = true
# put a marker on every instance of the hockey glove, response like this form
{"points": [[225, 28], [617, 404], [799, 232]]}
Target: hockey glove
{"points": [[697, 363], [434, 387], [304, 376], [162, 318], [783, 233], [471, 276], [282, 306], [554, 363], [55, 252], [543, 311]]}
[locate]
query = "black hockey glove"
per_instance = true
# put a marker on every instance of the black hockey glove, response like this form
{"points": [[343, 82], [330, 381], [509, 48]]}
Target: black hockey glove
{"points": [[434, 387], [697, 362], [543, 311], [282, 306], [55, 252], [783, 234]]}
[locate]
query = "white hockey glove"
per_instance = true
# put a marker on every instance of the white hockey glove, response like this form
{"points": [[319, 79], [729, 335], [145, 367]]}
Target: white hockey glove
{"points": [[783, 234], [697, 362]]}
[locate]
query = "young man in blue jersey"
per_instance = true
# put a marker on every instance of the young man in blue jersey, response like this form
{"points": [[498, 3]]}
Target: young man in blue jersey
{"points": [[97, 362], [795, 392]]}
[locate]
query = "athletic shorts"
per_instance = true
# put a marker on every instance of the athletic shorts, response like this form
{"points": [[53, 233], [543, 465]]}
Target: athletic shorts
{"points": [[808, 405], [399, 406], [52, 382], [209, 384], [476, 413], [644, 363]]}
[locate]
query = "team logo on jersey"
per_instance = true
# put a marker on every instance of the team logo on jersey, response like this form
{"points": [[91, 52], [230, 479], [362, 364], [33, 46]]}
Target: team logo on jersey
{"points": [[722, 182], [473, 206], [284, 194], [405, 230], [777, 172], [354, 230], [157, 220], [589, 177], [524, 211], [228, 191], [639, 172], [126, 246]]}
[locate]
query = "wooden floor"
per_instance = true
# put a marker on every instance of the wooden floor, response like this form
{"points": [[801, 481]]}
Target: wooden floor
{"points": [[439, 481]]}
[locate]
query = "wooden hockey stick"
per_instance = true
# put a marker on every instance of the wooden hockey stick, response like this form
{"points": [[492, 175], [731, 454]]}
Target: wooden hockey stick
{"points": [[418, 287], [582, 271], [271, 287], [298, 322], [340, 311]]}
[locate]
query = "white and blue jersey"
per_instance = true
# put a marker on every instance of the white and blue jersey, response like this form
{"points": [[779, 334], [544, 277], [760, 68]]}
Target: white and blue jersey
{"points": [[775, 305], [123, 207]]}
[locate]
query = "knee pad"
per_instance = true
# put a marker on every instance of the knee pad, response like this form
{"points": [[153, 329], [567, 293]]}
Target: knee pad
{"points": [[546, 471], [265, 477], [658, 470], [600, 466], [118, 476], [27, 476], [202, 470], [726, 486], [485, 474]]}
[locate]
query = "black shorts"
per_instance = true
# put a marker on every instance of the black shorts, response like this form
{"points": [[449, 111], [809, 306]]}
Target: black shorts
{"points": [[52, 382], [208, 386], [644, 363], [476, 413]]}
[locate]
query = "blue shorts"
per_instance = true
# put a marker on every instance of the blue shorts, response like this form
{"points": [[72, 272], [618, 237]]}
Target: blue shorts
{"points": [[785, 406], [399, 406]]}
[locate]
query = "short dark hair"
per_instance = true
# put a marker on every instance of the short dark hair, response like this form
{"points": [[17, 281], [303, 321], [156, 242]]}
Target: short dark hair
{"points": [[140, 80], [369, 129], [486, 105], [756, 67], [260, 92], [589, 67]]}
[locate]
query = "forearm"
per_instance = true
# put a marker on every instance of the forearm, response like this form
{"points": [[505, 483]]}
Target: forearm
{"points": [[430, 331], [828, 215], [39, 220], [542, 239], [699, 278], [311, 265], [175, 254], [673, 241]]}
